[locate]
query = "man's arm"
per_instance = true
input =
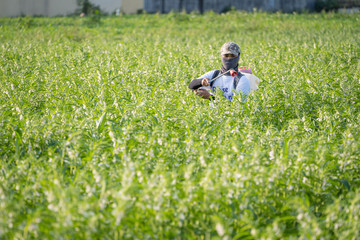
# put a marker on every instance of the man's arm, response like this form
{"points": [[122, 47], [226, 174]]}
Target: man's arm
{"points": [[203, 93], [198, 82], [195, 84]]}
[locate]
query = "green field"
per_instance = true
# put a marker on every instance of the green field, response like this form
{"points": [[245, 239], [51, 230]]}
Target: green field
{"points": [[100, 138]]}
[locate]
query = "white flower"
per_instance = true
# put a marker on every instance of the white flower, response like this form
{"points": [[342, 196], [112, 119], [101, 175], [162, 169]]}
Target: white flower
{"points": [[220, 229]]}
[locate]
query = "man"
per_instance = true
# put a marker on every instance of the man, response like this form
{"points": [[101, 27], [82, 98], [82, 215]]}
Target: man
{"points": [[230, 54]]}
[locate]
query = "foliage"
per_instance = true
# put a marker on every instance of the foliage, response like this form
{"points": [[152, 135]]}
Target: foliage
{"points": [[91, 11], [88, 8], [326, 5], [101, 138]]}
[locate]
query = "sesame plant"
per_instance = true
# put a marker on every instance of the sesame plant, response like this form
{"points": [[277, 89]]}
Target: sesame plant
{"points": [[100, 138]]}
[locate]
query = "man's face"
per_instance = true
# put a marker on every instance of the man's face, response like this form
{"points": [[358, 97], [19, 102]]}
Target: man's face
{"points": [[228, 56]]}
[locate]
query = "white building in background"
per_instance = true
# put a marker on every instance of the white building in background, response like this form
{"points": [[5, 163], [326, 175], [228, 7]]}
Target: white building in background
{"points": [[51, 8], [132, 6], [15, 8]]}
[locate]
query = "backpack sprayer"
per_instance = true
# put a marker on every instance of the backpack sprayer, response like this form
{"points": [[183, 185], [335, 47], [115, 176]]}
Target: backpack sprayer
{"points": [[233, 73]]}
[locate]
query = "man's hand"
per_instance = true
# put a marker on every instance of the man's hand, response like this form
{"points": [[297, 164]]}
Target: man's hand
{"points": [[202, 93], [205, 82]]}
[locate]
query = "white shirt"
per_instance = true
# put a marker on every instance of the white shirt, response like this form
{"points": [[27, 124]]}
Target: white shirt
{"points": [[226, 84]]}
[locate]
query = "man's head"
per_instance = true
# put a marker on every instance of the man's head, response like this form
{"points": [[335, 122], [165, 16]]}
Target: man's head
{"points": [[230, 54], [230, 50]]}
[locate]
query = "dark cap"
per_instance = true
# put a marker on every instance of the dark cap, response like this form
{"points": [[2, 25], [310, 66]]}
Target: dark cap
{"points": [[230, 48]]}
